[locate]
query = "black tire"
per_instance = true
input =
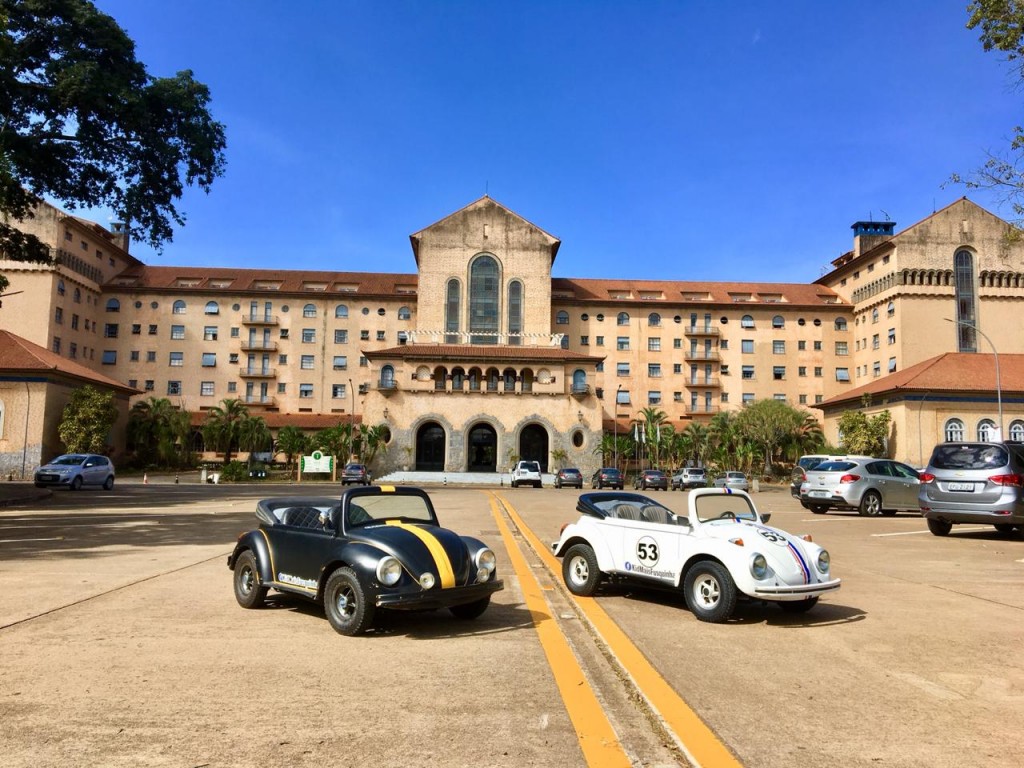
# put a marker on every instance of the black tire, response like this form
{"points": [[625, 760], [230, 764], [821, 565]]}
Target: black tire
{"points": [[108, 484], [1005, 527], [513, 484], [470, 610], [76, 484], [818, 509], [888, 512], [870, 504], [939, 527], [580, 571], [248, 591], [710, 592], [798, 606], [346, 604]]}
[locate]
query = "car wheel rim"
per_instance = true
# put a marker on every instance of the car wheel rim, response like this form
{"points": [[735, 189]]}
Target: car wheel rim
{"points": [[579, 569], [706, 591], [246, 581], [873, 505], [345, 603]]}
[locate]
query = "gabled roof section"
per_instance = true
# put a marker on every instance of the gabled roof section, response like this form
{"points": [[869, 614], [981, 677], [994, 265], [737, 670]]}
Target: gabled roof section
{"points": [[483, 202], [949, 372], [18, 355]]}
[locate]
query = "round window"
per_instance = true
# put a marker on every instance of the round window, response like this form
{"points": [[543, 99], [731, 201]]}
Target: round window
{"points": [[577, 438], [381, 312], [600, 318], [817, 321], [724, 320], [366, 310], [235, 307], [801, 321], [584, 316], [677, 319], [284, 308], [154, 305], [138, 305]]}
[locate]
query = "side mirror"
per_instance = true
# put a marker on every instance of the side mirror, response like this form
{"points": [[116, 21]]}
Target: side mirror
{"points": [[766, 516]]}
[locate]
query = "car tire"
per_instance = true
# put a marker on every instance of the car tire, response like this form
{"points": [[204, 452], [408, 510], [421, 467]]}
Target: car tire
{"points": [[580, 571], [710, 592], [870, 504], [76, 484], [889, 512], [818, 509], [513, 484], [248, 591], [345, 603], [939, 527], [470, 610], [108, 484], [798, 606], [1005, 527]]}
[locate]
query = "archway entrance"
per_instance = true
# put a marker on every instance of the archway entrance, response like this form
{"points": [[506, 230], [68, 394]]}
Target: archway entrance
{"points": [[533, 445], [483, 449], [430, 445]]}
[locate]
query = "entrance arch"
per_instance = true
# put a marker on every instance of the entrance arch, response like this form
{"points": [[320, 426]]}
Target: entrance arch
{"points": [[483, 449], [533, 445], [430, 447]]}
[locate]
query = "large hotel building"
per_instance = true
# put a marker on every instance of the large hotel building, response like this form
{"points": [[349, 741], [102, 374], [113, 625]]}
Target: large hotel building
{"points": [[481, 354]]}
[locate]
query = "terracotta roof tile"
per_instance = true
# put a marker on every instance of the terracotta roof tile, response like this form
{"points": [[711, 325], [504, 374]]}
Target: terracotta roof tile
{"points": [[22, 356]]}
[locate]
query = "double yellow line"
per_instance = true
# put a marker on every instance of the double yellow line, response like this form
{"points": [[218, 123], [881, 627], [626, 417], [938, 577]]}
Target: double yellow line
{"points": [[597, 738]]}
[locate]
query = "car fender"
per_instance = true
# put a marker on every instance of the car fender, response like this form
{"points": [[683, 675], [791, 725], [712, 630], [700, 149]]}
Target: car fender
{"points": [[587, 532], [733, 558], [256, 542]]}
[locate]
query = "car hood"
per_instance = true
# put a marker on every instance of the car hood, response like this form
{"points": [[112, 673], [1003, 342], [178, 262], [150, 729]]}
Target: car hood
{"points": [[791, 558], [421, 548], [59, 467]]}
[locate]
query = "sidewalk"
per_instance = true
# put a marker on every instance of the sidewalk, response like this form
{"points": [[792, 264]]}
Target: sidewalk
{"points": [[14, 492]]}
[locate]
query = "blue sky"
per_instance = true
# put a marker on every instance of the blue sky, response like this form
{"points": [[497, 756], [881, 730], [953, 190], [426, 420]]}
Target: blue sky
{"points": [[658, 140]]}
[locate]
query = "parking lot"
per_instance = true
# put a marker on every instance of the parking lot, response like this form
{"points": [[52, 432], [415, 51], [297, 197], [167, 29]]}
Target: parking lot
{"points": [[122, 644]]}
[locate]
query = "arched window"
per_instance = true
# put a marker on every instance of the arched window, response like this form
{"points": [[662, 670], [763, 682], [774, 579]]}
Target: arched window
{"points": [[60, 288], [986, 430], [528, 379], [178, 308], [623, 318], [458, 378], [778, 322], [564, 343], [1016, 431], [840, 323], [78, 295], [654, 319], [387, 377], [113, 305], [747, 321], [492, 379], [966, 335], [474, 377], [562, 318], [309, 310], [579, 380], [341, 311], [440, 377], [404, 313], [484, 299], [212, 308], [509, 377], [451, 312], [954, 431], [515, 312]]}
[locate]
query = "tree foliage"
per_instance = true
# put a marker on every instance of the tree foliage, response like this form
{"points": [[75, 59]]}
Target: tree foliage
{"points": [[770, 424], [292, 442], [82, 121], [87, 420], [864, 435], [159, 433], [226, 427]]}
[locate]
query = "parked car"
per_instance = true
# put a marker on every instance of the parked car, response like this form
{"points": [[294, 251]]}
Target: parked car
{"points": [[526, 473], [355, 474], [651, 478], [377, 547], [973, 483], [810, 461], [871, 486], [570, 477], [720, 551], [75, 470], [689, 477], [607, 477], [735, 480]]}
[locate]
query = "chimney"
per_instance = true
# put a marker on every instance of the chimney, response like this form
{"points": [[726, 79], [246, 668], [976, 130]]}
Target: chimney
{"points": [[120, 232], [868, 234]]}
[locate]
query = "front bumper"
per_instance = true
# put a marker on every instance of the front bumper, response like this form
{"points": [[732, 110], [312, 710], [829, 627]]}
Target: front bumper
{"points": [[52, 478], [432, 599], [796, 591]]}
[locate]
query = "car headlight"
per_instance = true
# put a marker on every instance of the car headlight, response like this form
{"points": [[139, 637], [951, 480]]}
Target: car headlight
{"points": [[758, 566], [389, 571], [485, 560], [824, 561], [427, 580]]}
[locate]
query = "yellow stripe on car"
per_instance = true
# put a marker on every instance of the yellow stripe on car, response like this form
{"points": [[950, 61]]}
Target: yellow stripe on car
{"points": [[444, 565]]}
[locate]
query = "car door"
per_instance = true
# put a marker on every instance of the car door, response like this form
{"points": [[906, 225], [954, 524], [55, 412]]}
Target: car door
{"points": [[649, 551], [907, 484], [91, 470], [299, 554]]}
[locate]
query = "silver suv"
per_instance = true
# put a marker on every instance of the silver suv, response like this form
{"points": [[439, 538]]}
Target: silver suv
{"points": [[871, 486], [526, 473], [974, 483], [689, 477]]}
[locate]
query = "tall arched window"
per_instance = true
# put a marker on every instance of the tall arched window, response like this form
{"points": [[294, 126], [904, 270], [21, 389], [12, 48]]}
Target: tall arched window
{"points": [[562, 318], [840, 323], [954, 431], [341, 311], [451, 312], [579, 380], [966, 336], [178, 308], [309, 310], [747, 321], [484, 300], [1016, 430], [655, 319], [515, 312], [778, 322], [113, 305], [387, 377], [986, 430], [623, 318]]}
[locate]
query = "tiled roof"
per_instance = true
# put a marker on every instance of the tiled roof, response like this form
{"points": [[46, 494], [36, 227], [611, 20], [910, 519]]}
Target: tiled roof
{"points": [[677, 292], [19, 355], [479, 352], [276, 420], [949, 372]]}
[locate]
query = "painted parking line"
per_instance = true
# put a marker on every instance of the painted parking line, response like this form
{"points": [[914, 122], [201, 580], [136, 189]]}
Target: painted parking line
{"points": [[700, 744], [23, 541], [924, 530], [594, 731]]}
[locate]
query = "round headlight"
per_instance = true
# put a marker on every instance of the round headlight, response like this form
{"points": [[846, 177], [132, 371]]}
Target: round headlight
{"points": [[389, 571], [824, 561], [758, 566], [485, 560], [427, 580]]}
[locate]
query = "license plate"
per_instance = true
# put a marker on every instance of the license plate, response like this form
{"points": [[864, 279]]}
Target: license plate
{"points": [[819, 494], [969, 487]]}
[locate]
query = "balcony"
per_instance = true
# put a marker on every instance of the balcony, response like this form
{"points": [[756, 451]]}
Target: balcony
{"points": [[697, 409], [703, 381], [258, 318], [386, 388], [700, 330], [255, 401], [580, 391], [259, 346], [707, 355], [257, 373]]}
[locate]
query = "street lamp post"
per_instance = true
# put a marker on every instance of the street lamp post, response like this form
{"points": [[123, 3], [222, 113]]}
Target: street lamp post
{"points": [[995, 355], [615, 426], [351, 421]]}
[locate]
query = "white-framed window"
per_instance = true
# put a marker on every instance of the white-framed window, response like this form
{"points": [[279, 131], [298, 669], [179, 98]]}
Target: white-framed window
{"points": [[308, 335], [622, 369], [210, 333], [986, 430], [306, 362], [305, 391], [177, 359], [206, 388], [622, 343], [309, 310], [778, 347], [654, 344], [338, 391], [178, 308], [340, 362], [954, 431], [177, 331], [1016, 431]]}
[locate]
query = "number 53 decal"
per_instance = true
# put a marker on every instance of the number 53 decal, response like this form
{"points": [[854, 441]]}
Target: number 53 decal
{"points": [[647, 551]]}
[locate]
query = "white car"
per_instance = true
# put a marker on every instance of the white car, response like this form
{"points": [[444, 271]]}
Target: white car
{"points": [[719, 552], [526, 473]]}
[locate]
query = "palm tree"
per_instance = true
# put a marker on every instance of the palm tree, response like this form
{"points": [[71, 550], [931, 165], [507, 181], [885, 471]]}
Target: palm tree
{"points": [[807, 437], [156, 428], [373, 441], [223, 426], [651, 419], [292, 442], [253, 435]]}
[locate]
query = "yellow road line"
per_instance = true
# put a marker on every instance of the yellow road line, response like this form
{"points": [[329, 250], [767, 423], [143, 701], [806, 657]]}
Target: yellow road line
{"points": [[696, 739], [596, 736]]}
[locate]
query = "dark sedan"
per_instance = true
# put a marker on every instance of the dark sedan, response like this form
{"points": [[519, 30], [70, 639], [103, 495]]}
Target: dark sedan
{"points": [[569, 477], [651, 478], [607, 477]]}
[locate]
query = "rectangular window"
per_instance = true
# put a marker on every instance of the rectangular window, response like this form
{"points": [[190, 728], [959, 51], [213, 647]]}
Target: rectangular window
{"points": [[340, 336], [210, 333], [599, 367], [779, 372], [725, 397], [818, 398], [817, 346], [282, 359], [206, 388], [177, 359], [622, 369], [780, 397], [234, 332], [677, 343], [133, 383], [173, 387], [232, 386], [654, 344], [778, 347], [381, 336], [364, 335], [177, 331], [584, 341], [209, 359], [874, 341], [305, 391], [109, 357], [151, 356], [340, 362], [306, 362], [747, 346], [308, 335], [654, 397], [892, 364], [338, 391], [363, 362], [282, 388], [110, 330], [149, 386], [803, 399], [842, 374], [876, 369], [801, 370], [747, 372], [600, 341], [622, 397], [152, 330], [842, 348], [801, 346], [134, 356], [818, 371], [654, 370], [136, 329], [622, 343], [73, 350], [892, 335], [677, 368], [748, 398], [284, 333], [58, 316]]}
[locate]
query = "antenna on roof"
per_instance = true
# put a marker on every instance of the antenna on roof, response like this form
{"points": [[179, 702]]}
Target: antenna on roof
{"points": [[487, 188], [887, 216]]}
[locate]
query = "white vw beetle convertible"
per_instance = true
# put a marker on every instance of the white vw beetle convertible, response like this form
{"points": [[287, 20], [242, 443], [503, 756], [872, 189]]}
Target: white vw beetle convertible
{"points": [[719, 552]]}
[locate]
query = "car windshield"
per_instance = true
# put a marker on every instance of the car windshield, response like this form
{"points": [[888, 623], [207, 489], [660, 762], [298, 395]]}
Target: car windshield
{"points": [[834, 466], [354, 468], [807, 462], [724, 506], [969, 457], [609, 471], [736, 475], [69, 460], [370, 509]]}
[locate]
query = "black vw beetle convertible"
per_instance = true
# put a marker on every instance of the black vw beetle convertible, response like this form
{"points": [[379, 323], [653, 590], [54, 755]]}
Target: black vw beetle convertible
{"points": [[375, 547]]}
